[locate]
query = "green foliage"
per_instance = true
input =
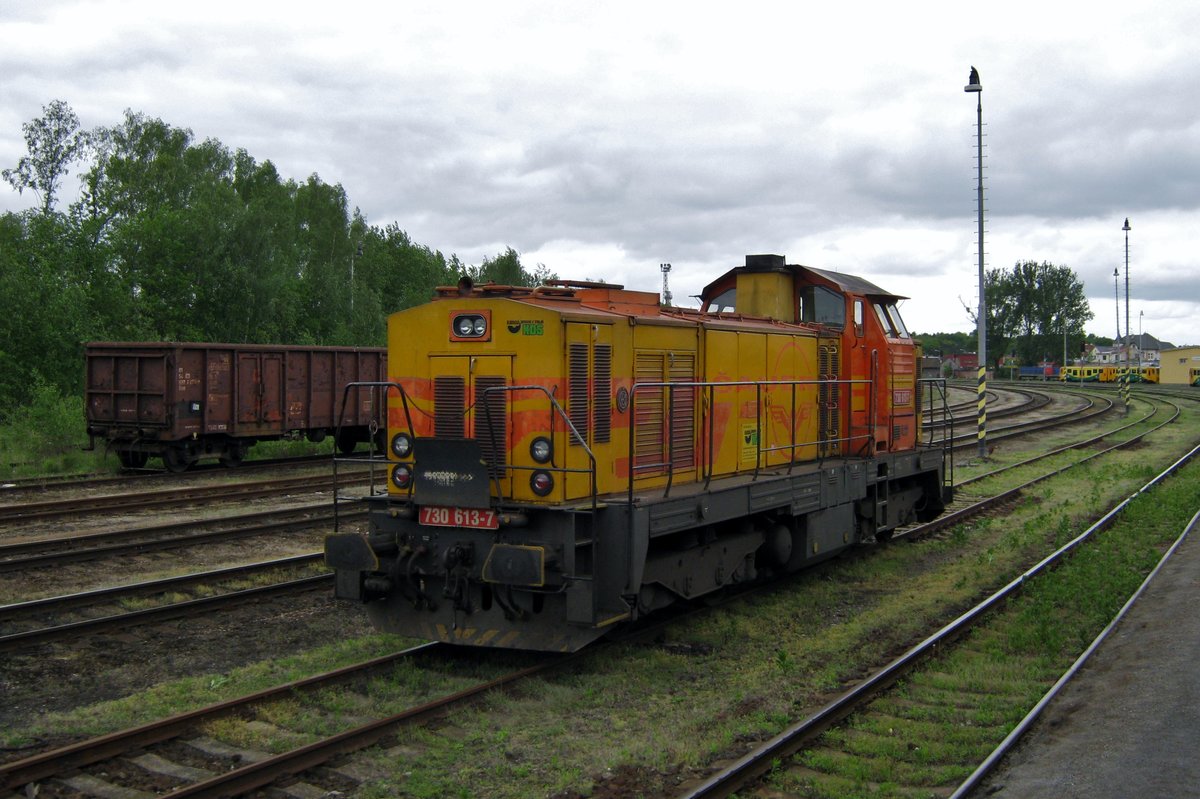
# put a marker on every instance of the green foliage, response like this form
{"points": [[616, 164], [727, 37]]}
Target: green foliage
{"points": [[54, 141], [45, 435], [506, 270], [946, 344], [1030, 307], [175, 239]]}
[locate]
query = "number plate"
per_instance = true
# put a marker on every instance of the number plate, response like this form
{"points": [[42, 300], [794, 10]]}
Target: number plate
{"points": [[476, 518]]}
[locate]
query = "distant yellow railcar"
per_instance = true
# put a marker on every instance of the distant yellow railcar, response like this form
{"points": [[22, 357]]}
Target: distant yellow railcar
{"points": [[1137, 374], [1088, 374]]}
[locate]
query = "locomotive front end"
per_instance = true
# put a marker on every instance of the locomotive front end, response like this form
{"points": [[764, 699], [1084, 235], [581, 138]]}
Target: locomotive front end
{"points": [[483, 536]]}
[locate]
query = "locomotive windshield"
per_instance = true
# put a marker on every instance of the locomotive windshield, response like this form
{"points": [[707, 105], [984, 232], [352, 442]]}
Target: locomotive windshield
{"points": [[889, 318]]}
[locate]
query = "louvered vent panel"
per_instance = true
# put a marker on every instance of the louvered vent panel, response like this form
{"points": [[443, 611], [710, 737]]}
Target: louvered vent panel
{"points": [[682, 369], [602, 395], [491, 408], [829, 396], [577, 389], [648, 444], [449, 394]]}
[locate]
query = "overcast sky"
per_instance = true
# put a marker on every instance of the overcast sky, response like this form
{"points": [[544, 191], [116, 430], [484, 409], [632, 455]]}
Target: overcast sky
{"points": [[603, 139]]}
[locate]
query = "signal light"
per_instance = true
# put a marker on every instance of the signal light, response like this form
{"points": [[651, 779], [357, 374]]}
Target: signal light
{"points": [[402, 476], [541, 483]]}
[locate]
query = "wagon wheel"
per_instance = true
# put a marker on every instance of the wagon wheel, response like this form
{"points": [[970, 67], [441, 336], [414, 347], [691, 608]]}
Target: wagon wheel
{"points": [[132, 459], [234, 455], [176, 459]]}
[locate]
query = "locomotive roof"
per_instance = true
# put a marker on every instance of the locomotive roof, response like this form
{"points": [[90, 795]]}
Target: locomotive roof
{"points": [[850, 284]]}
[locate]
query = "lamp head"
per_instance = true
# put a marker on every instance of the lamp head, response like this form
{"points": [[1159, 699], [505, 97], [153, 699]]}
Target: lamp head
{"points": [[973, 84]]}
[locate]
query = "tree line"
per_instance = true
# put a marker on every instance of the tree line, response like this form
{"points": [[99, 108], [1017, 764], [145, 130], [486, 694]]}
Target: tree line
{"points": [[175, 239]]}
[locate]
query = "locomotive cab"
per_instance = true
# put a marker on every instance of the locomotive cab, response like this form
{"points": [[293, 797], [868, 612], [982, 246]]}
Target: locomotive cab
{"points": [[874, 350]]}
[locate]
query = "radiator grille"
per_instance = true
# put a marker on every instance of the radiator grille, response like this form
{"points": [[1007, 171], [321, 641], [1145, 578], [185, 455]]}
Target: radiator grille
{"points": [[681, 369], [829, 398], [648, 413], [602, 395], [577, 389], [651, 445], [449, 395], [493, 440]]}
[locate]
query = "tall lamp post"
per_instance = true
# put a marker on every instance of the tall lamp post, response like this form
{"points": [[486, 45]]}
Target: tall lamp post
{"points": [[1141, 341], [974, 86], [1117, 299], [1127, 333]]}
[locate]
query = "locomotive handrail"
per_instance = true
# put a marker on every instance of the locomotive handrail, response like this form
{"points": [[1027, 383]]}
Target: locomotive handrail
{"points": [[375, 384], [555, 407], [947, 420], [709, 387]]}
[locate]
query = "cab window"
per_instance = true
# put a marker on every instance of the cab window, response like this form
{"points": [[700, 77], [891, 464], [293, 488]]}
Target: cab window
{"points": [[822, 306], [897, 321], [890, 321], [725, 302]]}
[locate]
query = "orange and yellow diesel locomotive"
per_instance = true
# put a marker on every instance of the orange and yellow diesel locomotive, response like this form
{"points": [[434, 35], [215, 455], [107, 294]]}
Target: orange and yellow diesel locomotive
{"points": [[566, 458]]}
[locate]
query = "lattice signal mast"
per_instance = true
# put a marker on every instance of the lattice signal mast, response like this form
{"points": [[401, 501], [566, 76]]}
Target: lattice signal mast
{"points": [[666, 292]]}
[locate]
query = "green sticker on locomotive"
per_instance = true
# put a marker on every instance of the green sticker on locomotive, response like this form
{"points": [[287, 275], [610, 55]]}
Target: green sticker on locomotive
{"points": [[526, 327]]}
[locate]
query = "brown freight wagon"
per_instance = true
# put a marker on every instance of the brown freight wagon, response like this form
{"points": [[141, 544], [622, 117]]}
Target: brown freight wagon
{"points": [[183, 402]]}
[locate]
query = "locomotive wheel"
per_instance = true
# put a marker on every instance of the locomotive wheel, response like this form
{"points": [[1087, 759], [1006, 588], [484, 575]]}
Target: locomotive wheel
{"points": [[132, 459], [176, 460]]}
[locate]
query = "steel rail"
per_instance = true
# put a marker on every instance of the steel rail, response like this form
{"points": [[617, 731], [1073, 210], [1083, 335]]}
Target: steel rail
{"points": [[754, 765], [1004, 747], [173, 610], [16, 773], [80, 598], [55, 508], [311, 515]]}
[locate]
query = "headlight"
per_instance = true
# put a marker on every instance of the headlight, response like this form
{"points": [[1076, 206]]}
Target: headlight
{"points": [[470, 325], [539, 450], [401, 445]]}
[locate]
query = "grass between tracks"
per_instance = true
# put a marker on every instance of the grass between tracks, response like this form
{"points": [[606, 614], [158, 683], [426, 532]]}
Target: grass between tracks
{"points": [[634, 718]]}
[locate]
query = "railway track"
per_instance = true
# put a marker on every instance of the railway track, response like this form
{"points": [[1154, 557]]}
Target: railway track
{"points": [[148, 756], [871, 701], [250, 770], [27, 512], [42, 553], [45, 483], [68, 616], [113, 543]]}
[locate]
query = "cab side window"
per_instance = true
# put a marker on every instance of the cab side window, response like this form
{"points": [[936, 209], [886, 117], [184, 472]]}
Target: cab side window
{"points": [[822, 306], [725, 302]]}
